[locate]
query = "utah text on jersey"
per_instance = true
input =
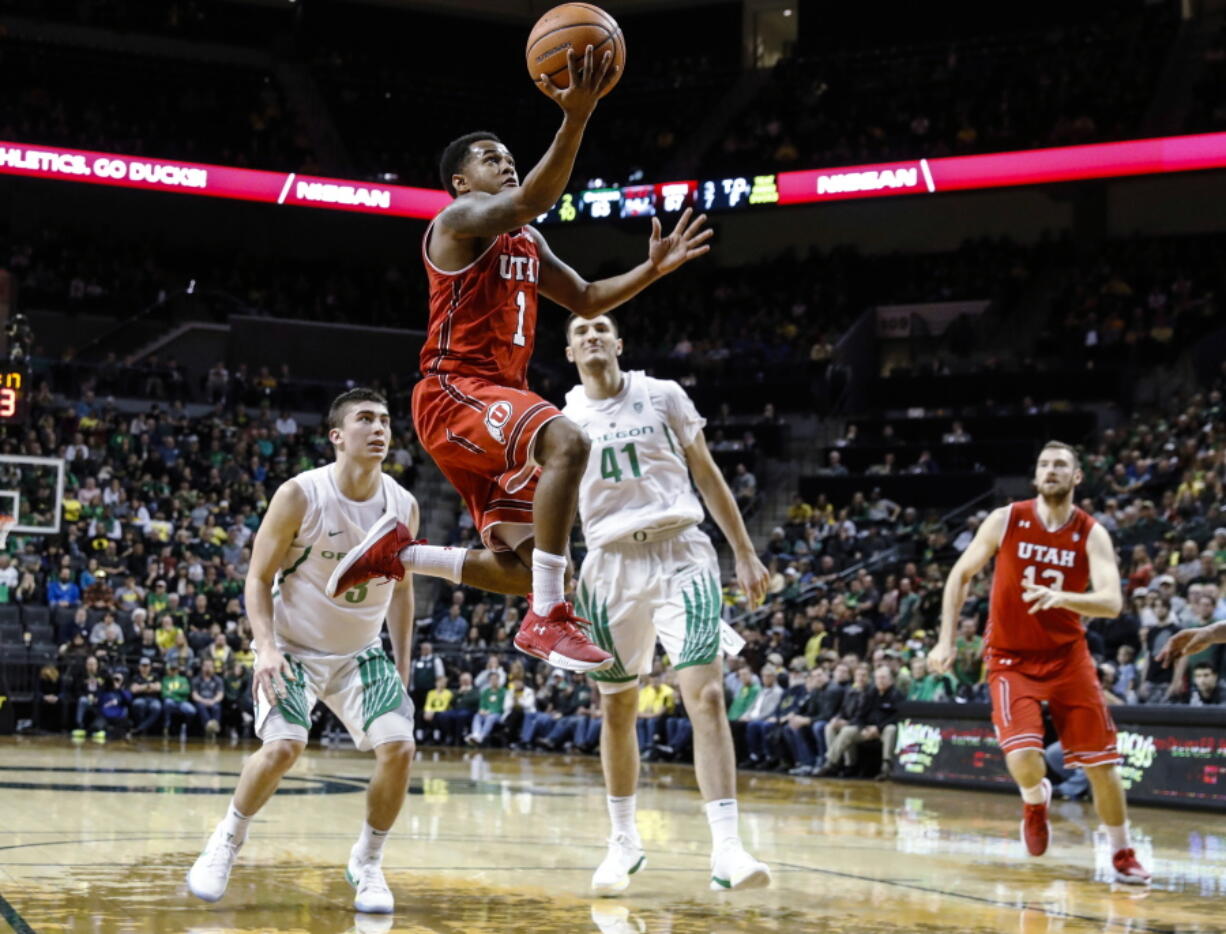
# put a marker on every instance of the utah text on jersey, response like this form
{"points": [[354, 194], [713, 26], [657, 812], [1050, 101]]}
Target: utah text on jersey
{"points": [[1060, 557]]}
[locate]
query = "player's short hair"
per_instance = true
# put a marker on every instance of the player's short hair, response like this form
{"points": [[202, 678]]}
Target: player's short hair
{"points": [[456, 154], [1064, 447], [1199, 665], [574, 317], [336, 411]]}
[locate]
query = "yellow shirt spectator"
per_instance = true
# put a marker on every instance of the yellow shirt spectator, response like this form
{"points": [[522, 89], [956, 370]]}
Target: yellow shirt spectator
{"points": [[72, 509], [438, 701], [166, 637], [657, 699]]}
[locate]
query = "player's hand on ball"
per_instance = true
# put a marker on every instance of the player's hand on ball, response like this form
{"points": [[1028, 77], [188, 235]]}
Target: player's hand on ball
{"points": [[941, 657], [1041, 598], [752, 577], [271, 673], [580, 96], [1184, 642], [687, 241]]}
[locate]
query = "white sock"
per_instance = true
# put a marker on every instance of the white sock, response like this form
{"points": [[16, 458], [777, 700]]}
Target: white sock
{"points": [[548, 581], [1119, 837], [1035, 795], [234, 824], [723, 817], [370, 844], [621, 813], [435, 561]]}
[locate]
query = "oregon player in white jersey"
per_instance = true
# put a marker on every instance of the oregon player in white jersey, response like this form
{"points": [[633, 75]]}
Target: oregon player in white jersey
{"points": [[650, 574], [311, 647]]}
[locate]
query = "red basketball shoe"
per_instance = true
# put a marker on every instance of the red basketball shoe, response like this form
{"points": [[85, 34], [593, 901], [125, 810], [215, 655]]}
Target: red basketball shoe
{"points": [[1036, 831], [378, 555], [1127, 869], [559, 639]]}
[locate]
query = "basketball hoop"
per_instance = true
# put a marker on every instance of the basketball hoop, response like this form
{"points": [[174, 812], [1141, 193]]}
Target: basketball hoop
{"points": [[6, 525]]}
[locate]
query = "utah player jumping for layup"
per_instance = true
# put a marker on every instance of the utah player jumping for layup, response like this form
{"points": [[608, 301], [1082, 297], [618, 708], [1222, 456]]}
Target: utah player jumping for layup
{"points": [[473, 410], [1048, 552]]}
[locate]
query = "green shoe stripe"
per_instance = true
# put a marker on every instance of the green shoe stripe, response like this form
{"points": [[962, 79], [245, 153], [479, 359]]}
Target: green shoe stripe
{"points": [[724, 882]]}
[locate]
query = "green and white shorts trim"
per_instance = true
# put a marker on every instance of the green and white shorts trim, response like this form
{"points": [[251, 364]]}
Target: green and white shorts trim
{"points": [[635, 593], [363, 690]]}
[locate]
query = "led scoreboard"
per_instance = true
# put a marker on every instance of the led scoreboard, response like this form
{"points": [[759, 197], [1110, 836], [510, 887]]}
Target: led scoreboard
{"points": [[14, 403]]}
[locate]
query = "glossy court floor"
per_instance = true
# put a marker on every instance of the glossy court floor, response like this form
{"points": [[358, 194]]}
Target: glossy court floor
{"points": [[99, 838]]}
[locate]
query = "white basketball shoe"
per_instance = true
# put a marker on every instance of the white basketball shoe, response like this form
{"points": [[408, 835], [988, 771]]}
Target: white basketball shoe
{"points": [[733, 868], [624, 858], [372, 896], [210, 874]]}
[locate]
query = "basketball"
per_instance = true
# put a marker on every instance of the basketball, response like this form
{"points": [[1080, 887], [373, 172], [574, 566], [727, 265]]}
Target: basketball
{"points": [[574, 26]]}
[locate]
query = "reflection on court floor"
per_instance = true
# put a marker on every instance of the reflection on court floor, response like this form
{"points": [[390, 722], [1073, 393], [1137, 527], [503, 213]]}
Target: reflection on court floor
{"points": [[99, 838]]}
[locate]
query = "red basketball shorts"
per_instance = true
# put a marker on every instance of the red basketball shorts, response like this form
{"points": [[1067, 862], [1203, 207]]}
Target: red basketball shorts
{"points": [[482, 435], [1068, 681]]}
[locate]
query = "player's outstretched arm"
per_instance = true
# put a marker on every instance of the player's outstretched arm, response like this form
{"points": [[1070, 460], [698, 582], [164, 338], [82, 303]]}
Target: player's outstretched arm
{"points": [[560, 283], [980, 551], [1190, 641], [400, 614], [480, 214], [751, 576], [1103, 602], [272, 542]]}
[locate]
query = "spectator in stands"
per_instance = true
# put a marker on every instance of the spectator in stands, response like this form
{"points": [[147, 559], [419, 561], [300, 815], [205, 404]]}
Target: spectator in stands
{"points": [[1126, 675], [925, 463], [744, 488], [656, 702], [490, 711], [1156, 678], [51, 708], [238, 707], [87, 701], [63, 591], [956, 435], [574, 708], [208, 693], [853, 700], [181, 654], [760, 718], [106, 631], [452, 628], [438, 702], [114, 702], [176, 699], [805, 728], [968, 649], [426, 669], [1207, 690], [834, 466], [493, 664], [928, 684], [167, 633], [146, 689], [876, 719]]}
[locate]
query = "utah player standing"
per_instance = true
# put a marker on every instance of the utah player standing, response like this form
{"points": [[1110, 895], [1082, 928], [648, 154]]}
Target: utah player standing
{"points": [[1035, 649], [473, 410]]}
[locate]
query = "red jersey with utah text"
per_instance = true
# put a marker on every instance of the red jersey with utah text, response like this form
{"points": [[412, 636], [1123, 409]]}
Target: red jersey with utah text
{"points": [[1055, 559], [483, 317]]}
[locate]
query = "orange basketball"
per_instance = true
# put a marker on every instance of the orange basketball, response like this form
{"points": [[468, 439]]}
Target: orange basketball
{"points": [[574, 26]]}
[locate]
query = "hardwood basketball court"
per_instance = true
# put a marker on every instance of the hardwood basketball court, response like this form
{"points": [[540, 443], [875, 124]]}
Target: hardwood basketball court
{"points": [[99, 838]]}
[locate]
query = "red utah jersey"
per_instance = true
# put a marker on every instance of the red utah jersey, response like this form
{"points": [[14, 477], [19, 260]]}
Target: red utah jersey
{"points": [[483, 317], [1028, 552]]}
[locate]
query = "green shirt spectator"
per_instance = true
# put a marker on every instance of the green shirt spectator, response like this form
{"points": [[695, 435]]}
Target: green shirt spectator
{"points": [[745, 696], [492, 700], [175, 687], [968, 648]]}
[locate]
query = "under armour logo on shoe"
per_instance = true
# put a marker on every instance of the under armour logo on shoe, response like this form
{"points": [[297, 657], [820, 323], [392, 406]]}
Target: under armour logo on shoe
{"points": [[1025, 523], [538, 628]]}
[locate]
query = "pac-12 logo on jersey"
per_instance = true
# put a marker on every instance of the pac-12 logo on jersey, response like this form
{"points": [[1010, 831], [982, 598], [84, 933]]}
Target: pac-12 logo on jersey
{"points": [[496, 418]]}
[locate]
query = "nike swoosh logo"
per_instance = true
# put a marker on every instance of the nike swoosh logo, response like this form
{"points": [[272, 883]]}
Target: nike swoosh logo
{"points": [[337, 532]]}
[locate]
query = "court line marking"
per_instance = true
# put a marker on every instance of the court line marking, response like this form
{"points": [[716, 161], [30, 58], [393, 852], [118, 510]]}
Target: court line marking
{"points": [[14, 918], [930, 890]]}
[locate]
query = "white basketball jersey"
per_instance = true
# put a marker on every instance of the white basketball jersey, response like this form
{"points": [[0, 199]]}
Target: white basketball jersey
{"points": [[637, 478], [305, 622]]}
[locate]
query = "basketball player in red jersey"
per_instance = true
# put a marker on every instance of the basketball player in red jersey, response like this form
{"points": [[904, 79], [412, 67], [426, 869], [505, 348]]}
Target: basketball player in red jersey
{"points": [[1049, 556], [512, 455]]}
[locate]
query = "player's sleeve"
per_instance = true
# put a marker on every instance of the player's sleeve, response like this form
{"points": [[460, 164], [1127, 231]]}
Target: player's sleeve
{"points": [[679, 411]]}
